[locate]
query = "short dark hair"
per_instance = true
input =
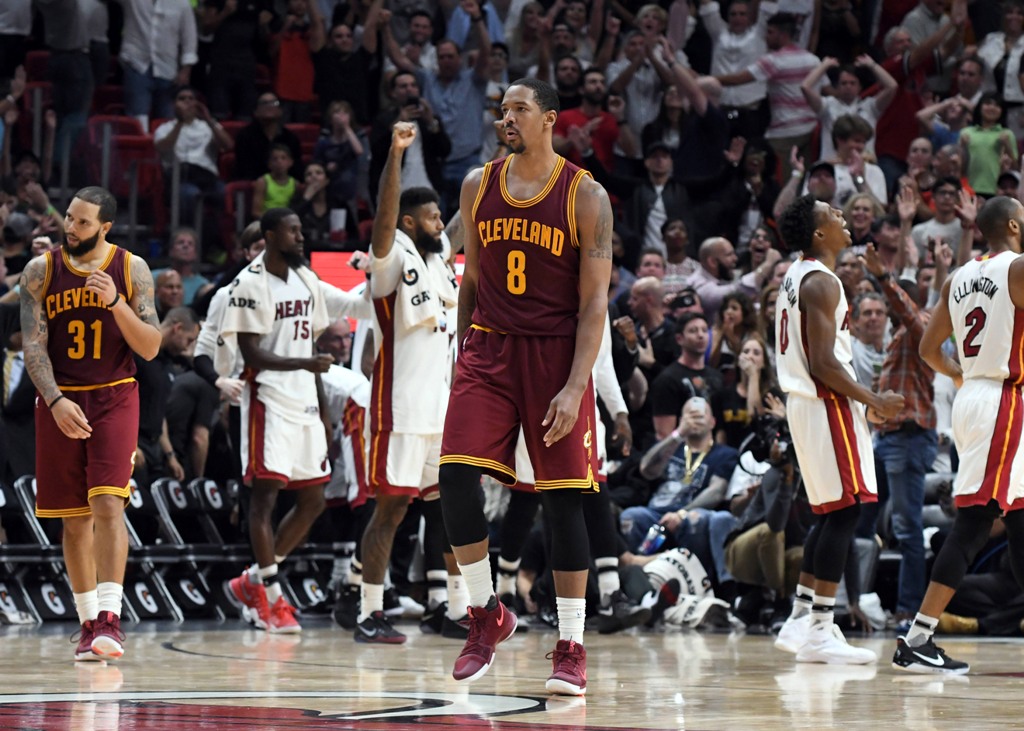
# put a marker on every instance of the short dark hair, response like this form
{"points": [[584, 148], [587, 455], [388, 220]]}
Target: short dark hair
{"points": [[672, 219], [594, 70], [272, 219], [652, 251], [413, 198], [394, 78], [995, 214], [421, 14], [850, 125], [100, 197], [950, 180], [689, 317], [280, 147], [543, 93], [785, 22], [184, 315], [797, 223]]}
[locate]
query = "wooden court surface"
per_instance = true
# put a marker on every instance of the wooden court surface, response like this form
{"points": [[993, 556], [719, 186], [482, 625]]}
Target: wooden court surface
{"points": [[205, 675]]}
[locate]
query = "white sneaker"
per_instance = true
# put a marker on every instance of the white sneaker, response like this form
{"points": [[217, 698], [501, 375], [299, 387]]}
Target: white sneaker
{"points": [[826, 643], [793, 634]]}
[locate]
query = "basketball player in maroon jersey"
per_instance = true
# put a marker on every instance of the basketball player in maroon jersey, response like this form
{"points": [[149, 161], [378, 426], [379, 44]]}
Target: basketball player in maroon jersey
{"points": [[532, 306], [85, 309]]}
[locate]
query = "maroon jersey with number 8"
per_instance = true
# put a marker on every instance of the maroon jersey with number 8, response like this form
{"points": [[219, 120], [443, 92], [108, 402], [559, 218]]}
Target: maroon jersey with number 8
{"points": [[85, 344], [529, 254]]}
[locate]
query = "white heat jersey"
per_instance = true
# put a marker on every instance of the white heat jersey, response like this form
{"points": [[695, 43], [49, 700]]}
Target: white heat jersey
{"points": [[344, 387], [412, 370], [989, 330], [790, 338], [290, 394]]}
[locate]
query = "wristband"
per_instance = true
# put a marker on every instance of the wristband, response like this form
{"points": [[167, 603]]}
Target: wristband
{"points": [[796, 174], [113, 304], [675, 434], [50, 405], [11, 99], [477, 19]]}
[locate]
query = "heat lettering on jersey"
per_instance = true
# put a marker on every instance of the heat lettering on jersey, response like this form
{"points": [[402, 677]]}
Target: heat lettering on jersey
{"points": [[293, 308], [72, 299], [522, 229]]}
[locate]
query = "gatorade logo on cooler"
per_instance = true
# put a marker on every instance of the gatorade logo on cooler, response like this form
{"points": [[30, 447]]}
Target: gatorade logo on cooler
{"points": [[52, 599], [145, 598]]}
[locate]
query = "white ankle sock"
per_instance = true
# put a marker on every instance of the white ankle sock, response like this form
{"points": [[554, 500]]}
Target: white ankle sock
{"points": [[108, 595], [371, 599], [437, 587], [572, 614], [922, 628], [273, 591], [87, 604], [458, 596], [478, 581]]}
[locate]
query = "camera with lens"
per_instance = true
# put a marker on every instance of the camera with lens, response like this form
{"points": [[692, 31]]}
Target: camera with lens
{"points": [[767, 430]]}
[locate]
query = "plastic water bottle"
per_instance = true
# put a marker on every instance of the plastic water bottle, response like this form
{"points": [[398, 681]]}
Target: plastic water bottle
{"points": [[653, 540]]}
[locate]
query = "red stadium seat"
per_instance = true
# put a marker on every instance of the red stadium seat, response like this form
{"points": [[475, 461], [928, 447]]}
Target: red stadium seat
{"points": [[37, 65]]}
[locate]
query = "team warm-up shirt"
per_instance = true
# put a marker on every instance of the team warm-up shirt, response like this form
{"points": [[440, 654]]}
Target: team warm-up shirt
{"points": [[529, 254], [84, 343], [989, 330], [791, 337]]}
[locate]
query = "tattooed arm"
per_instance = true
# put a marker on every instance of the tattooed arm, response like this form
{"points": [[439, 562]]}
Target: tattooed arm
{"points": [[35, 338], [136, 319], [594, 225]]}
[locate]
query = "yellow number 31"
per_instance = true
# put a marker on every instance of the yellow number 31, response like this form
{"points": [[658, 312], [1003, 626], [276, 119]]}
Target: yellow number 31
{"points": [[77, 330], [516, 272]]}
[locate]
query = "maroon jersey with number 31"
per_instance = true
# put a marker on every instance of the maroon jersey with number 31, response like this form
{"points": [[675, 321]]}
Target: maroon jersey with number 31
{"points": [[85, 344]]}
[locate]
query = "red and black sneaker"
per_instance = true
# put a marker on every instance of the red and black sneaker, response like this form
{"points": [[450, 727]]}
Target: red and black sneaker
{"points": [[487, 629], [108, 642], [84, 637]]}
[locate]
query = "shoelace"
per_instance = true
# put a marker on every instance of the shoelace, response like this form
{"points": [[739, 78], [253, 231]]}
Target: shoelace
{"points": [[284, 608], [114, 629], [562, 657], [474, 642], [77, 636]]}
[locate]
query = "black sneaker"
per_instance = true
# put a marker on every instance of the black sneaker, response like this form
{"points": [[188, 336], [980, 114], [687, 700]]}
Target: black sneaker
{"points": [[346, 607], [621, 613], [926, 658], [668, 595], [434, 619], [377, 628], [455, 629]]}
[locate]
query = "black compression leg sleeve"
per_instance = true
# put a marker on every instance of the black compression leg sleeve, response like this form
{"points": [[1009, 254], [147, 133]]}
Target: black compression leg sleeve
{"points": [[834, 543], [570, 546], [810, 543], [969, 534], [597, 512], [518, 522], [435, 541], [464, 518]]}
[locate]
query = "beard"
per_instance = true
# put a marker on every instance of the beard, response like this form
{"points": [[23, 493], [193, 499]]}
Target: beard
{"points": [[293, 260], [724, 272], [428, 244], [84, 245]]}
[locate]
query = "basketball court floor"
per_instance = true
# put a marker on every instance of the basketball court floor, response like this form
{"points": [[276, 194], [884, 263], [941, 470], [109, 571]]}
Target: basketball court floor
{"points": [[206, 675]]}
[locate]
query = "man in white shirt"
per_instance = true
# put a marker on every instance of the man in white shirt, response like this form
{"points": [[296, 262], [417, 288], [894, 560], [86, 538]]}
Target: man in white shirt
{"points": [[847, 97], [193, 139], [735, 46], [945, 226], [158, 51]]}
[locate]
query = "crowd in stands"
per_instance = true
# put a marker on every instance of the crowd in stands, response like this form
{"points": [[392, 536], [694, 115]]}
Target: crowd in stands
{"points": [[702, 120]]}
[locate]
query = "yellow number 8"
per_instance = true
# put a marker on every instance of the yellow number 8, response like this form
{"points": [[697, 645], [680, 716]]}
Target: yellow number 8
{"points": [[516, 272]]}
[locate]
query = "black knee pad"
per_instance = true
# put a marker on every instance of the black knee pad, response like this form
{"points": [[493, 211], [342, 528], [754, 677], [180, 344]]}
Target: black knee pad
{"points": [[570, 545], [464, 519], [597, 512], [834, 543], [518, 522], [969, 534]]}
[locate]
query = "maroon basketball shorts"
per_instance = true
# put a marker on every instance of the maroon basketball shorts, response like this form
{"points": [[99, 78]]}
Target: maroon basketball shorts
{"points": [[502, 381], [71, 471]]}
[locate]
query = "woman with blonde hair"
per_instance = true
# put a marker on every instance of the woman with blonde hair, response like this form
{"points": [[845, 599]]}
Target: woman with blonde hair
{"points": [[860, 212], [524, 40]]}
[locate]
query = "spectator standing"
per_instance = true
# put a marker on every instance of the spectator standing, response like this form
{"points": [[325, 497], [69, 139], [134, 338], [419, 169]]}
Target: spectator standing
{"points": [[737, 43], [1002, 51], [184, 256], [344, 71], [158, 51], [238, 28], [783, 69], [15, 27], [253, 142], [847, 98], [602, 129], [291, 48], [985, 143]]}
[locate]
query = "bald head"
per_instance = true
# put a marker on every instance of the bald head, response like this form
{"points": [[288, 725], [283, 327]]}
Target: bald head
{"points": [[1001, 219]]}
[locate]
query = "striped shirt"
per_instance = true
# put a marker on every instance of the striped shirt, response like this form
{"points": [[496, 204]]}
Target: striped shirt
{"points": [[784, 70]]}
